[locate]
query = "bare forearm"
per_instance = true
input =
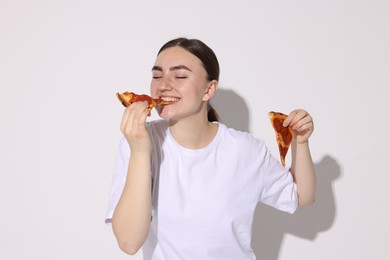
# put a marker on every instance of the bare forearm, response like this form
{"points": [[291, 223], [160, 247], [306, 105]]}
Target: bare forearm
{"points": [[303, 172], [132, 216]]}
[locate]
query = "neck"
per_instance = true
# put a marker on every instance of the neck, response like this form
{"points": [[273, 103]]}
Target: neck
{"points": [[192, 133]]}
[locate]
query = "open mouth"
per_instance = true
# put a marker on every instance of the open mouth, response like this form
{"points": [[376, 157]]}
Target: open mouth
{"points": [[168, 100]]}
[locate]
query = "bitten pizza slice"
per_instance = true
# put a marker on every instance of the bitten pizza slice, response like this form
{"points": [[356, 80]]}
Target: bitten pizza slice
{"points": [[284, 135], [126, 98]]}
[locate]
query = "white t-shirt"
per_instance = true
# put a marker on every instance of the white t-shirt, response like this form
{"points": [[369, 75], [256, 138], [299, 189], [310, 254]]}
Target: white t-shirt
{"points": [[203, 201]]}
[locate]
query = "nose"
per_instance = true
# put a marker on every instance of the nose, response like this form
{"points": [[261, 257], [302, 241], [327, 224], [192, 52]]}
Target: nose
{"points": [[164, 84]]}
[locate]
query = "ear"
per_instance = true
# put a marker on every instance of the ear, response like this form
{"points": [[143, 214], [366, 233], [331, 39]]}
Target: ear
{"points": [[212, 87]]}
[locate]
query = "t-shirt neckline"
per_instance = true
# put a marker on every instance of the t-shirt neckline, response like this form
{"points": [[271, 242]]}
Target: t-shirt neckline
{"points": [[200, 151]]}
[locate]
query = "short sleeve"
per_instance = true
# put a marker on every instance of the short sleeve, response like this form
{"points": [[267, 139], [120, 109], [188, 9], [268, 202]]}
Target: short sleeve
{"points": [[118, 178], [279, 190]]}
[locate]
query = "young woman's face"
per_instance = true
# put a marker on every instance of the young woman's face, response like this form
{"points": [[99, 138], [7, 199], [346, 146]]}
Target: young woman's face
{"points": [[179, 76]]}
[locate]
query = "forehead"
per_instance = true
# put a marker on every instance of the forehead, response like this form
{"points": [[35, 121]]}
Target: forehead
{"points": [[174, 56]]}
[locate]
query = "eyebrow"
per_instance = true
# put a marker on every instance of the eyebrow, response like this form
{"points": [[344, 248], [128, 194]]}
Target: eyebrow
{"points": [[177, 67]]}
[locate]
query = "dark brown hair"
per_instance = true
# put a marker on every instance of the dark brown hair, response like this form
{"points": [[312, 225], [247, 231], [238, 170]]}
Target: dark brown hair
{"points": [[208, 58]]}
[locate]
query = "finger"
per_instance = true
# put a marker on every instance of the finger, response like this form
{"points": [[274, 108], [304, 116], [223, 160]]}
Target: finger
{"points": [[125, 118], [127, 125], [304, 133], [143, 116], [140, 116], [290, 117], [305, 127], [303, 121], [296, 116], [135, 113]]}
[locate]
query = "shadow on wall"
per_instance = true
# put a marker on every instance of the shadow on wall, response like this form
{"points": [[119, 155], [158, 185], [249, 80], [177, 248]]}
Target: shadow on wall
{"points": [[232, 109], [271, 225]]}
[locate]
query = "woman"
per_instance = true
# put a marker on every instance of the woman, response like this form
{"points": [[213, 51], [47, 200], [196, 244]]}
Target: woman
{"points": [[186, 186]]}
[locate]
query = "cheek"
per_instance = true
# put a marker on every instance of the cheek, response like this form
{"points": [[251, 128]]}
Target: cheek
{"points": [[153, 88]]}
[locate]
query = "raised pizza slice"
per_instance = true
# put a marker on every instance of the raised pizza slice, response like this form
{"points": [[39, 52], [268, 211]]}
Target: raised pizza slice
{"points": [[126, 98], [284, 135]]}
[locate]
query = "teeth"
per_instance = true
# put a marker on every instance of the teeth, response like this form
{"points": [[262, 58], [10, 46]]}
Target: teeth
{"points": [[170, 99]]}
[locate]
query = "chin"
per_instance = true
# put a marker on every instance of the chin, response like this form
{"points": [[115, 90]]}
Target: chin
{"points": [[165, 114]]}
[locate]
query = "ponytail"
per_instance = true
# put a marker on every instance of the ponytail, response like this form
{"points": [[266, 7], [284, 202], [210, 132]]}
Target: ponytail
{"points": [[212, 115]]}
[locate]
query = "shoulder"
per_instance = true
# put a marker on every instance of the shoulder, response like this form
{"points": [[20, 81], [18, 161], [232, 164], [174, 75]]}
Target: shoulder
{"points": [[157, 126], [158, 130], [238, 138], [239, 135]]}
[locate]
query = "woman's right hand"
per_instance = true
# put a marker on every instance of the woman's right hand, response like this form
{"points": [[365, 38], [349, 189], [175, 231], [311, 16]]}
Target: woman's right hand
{"points": [[133, 127], [131, 218]]}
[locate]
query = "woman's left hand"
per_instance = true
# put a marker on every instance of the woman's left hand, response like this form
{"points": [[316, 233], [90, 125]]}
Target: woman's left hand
{"points": [[302, 123]]}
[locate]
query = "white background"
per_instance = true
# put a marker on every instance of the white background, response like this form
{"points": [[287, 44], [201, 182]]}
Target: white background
{"points": [[61, 63]]}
